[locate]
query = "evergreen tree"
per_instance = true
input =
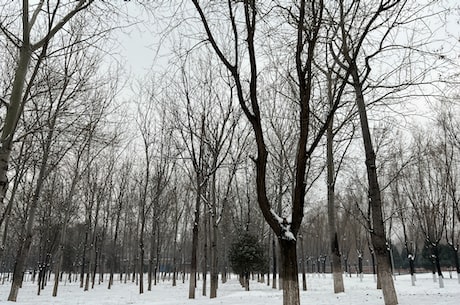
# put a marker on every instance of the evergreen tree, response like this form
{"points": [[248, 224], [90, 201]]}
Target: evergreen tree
{"points": [[246, 256]]}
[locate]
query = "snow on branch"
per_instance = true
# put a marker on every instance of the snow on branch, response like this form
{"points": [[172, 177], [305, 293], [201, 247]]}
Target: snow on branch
{"points": [[285, 224]]}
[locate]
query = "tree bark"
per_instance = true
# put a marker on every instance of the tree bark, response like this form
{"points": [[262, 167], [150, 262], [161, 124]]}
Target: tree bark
{"points": [[290, 272], [205, 250], [193, 260], [331, 212], [378, 236], [456, 260], [115, 238], [214, 253], [12, 115], [302, 262], [275, 266], [435, 255]]}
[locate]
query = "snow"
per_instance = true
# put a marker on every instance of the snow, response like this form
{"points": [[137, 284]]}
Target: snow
{"points": [[319, 292], [285, 224]]}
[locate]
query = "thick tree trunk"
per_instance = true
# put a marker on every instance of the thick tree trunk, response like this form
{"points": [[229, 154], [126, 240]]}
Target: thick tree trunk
{"points": [[290, 272]]}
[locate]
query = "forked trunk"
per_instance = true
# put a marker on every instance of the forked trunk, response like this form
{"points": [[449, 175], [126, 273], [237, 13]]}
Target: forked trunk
{"points": [[290, 272]]}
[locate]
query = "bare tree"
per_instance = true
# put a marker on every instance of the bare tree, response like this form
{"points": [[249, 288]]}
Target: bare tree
{"points": [[427, 193], [306, 19], [120, 199], [448, 127], [27, 48]]}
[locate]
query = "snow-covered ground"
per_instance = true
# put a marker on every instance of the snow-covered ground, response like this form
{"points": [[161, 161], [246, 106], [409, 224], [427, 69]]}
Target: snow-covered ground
{"points": [[426, 292]]}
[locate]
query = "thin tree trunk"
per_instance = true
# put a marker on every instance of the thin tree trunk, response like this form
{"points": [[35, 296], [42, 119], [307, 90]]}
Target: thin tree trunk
{"points": [[6, 216], [214, 248], [275, 259], [435, 251], [456, 260], [302, 263], [333, 239], [141, 254], [60, 253], [13, 112], [5, 152], [205, 251], [378, 236], [150, 271], [115, 238], [193, 261], [24, 247]]}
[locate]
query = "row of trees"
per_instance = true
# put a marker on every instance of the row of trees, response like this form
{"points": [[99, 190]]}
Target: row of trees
{"points": [[237, 135]]}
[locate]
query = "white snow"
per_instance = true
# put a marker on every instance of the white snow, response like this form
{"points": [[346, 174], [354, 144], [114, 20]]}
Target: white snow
{"points": [[285, 224], [320, 292]]}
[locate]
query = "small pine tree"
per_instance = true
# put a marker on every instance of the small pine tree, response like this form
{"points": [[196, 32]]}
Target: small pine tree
{"points": [[247, 255]]}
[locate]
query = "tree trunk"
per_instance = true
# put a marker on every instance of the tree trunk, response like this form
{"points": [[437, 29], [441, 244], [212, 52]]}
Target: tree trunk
{"points": [[412, 268], [12, 115], [456, 260], [5, 152], [141, 255], [114, 242], [157, 262], [435, 252], [274, 263], [302, 262], [205, 251], [24, 247], [290, 272], [214, 254], [378, 236], [150, 272], [333, 239], [6, 216], [60, 254], [193, 261]]}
